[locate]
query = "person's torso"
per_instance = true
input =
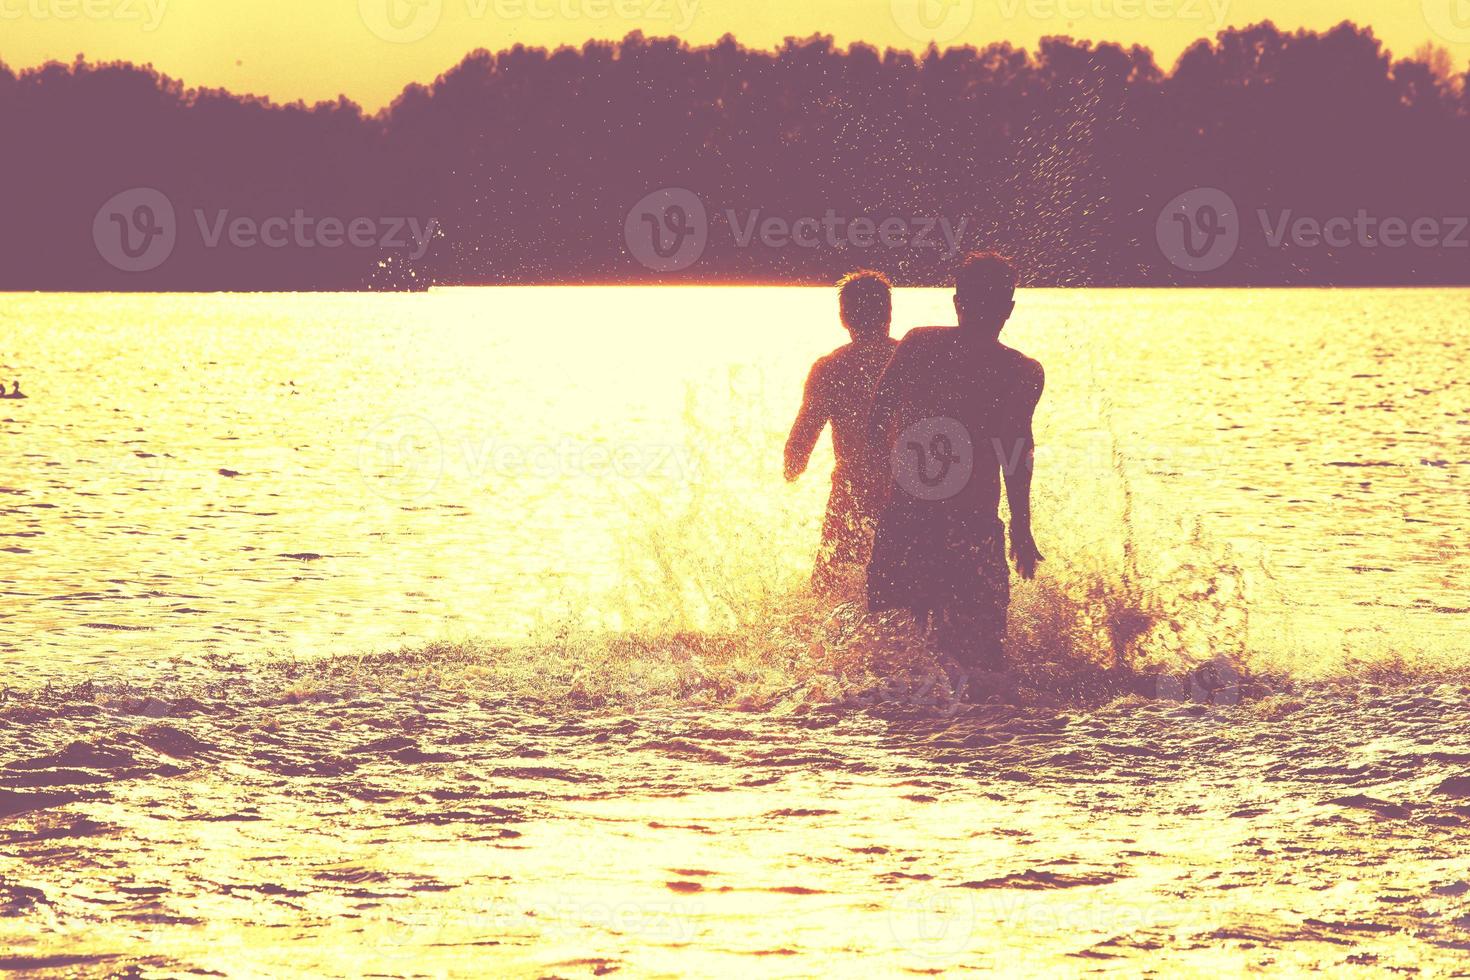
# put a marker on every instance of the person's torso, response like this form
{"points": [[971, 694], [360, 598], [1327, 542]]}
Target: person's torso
{"points": [[978, 386], [850, 375]]}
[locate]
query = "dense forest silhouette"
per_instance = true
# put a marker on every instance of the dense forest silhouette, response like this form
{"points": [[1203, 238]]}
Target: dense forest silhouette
{"points": [[530, 160]]}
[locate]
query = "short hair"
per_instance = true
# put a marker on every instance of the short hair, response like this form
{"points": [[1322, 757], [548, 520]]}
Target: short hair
{"points": [[986, 280], [866, 300]]}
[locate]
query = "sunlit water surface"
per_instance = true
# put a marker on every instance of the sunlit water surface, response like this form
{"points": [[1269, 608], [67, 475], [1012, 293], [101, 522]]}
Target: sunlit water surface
{"points": [[313, 473]]}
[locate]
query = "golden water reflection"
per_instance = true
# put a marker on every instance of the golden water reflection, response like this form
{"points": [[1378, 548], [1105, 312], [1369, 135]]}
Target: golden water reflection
{"points": [[498, 462]]}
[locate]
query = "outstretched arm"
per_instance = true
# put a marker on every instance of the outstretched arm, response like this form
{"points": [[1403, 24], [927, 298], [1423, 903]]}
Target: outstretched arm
{"points": [[1018, 451], [810, 422]]}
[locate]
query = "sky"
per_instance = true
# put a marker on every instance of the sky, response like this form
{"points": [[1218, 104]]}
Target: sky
{"points": [[368, 50]]}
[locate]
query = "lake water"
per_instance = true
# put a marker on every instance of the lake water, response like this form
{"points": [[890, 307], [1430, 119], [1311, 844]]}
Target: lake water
{"points": [[507, 463]]}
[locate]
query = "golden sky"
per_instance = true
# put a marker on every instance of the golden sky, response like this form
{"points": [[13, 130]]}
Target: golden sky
{"points": [[369, 49]]}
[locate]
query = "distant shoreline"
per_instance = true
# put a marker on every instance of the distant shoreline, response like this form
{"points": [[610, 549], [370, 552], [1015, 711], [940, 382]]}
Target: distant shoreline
{"points": [[1261, 158]]}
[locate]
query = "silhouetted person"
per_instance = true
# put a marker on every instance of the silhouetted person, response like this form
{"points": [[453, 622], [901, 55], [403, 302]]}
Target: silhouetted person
{"points": [[940, 545], [839, 390]]}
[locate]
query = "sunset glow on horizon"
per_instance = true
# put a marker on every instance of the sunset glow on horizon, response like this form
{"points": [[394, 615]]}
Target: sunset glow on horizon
{"points": [[369, 50]]}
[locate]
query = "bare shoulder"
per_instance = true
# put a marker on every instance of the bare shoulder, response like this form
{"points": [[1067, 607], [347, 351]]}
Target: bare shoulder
{"points": [[1035, 373], [921, 341], [1028, 368], [826, 361], [1030, 376], [925, 336]]}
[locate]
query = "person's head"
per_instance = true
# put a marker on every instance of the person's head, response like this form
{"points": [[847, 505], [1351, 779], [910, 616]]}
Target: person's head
{"points": [[985, 293], [866, 299]]}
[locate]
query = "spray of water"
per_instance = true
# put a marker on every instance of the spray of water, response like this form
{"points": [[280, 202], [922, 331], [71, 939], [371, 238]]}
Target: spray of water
{"points": [[715, 609]]}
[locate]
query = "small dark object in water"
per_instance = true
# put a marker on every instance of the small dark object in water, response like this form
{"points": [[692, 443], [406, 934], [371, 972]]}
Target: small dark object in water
{"points": [[228, 473]]}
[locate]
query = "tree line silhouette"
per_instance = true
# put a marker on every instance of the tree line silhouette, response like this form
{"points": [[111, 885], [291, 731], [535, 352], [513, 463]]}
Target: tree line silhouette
{"points": [[530, 160]]}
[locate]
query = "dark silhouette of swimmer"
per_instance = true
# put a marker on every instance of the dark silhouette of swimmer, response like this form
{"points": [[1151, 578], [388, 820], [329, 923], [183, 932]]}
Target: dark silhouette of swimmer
{"points": [[15, 391], [955, 407], [839, 390]]}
